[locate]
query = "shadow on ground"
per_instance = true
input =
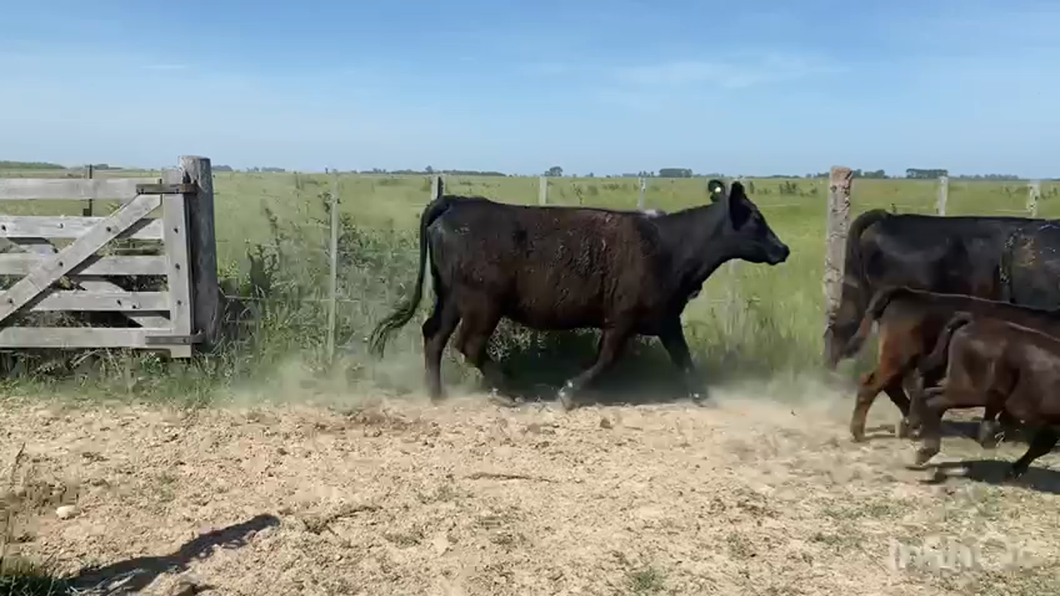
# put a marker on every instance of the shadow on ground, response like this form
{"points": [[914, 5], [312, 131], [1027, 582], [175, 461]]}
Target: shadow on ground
{"points": [[133, 575], [992, 471], [538, 364]]}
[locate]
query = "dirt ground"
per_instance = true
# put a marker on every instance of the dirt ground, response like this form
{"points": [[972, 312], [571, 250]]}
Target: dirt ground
{"points": [[757, 495]]}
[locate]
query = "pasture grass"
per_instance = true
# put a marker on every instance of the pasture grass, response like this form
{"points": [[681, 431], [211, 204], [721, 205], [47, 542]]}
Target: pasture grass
{"points": [[272, 234]]}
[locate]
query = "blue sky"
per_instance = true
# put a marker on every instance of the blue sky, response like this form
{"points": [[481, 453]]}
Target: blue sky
{"points": [[743, 88]]}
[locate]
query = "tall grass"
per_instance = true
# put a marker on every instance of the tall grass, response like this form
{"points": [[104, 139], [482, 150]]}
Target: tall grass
{"points": [[273, 242]]}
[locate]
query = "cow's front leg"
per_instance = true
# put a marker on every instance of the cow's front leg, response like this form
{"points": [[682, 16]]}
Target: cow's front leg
{"points": [[672, 337], [612, 343]]}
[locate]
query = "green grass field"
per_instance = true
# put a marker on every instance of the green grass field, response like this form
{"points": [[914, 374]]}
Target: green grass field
{"points": [[272, 235]]}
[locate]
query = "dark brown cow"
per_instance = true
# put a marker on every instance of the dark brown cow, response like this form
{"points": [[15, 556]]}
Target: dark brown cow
{"points": [[1001, 366], [909, 325], [562, 268]]}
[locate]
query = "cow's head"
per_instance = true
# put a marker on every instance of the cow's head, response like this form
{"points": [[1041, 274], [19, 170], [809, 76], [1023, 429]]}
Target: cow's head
{"points": [[716, 190], [750, 237]]}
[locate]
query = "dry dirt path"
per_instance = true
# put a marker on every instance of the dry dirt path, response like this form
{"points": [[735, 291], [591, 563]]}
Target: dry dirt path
{"points": [[752, 497]]}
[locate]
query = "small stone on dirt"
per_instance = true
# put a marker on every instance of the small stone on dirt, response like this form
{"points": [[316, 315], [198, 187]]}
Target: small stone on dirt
{"points": [[185, 587], [605, 423], [66, 512], [440, 543]]}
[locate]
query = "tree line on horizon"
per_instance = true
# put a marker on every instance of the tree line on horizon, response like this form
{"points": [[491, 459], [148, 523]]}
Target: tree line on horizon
{"points": [[553, 172]]}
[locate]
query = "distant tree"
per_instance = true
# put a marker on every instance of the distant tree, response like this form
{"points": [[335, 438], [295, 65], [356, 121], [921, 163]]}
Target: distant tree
{"points": [[29, 165], [590, 175], [925, 174], [428, 170], [675, 173], [221, 168], [555, 172]]}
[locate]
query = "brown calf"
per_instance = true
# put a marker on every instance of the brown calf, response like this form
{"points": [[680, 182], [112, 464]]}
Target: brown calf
{"points": [[909, 325], [1000, 366]]}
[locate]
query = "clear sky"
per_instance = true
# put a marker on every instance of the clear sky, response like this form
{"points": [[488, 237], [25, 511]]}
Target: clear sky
{"points": [[606, 86]]}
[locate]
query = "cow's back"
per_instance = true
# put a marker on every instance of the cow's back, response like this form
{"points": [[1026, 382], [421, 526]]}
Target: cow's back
{"points": [[950, 255], [550, 267]]}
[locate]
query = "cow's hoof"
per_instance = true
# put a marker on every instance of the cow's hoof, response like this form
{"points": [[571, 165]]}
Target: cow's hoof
{"points": [[988, 435], [905, 429], [857, 435], [501, 399], [566, 397], [924, 455], [1013, 475]]}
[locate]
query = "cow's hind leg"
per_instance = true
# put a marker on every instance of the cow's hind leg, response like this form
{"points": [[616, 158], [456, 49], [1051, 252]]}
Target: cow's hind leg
{"points": [[612, 342], [436, 332], [891, 366], [673, 340], [910, 424], [479, 321], [930, 409], [896, 392], [1043, 442], [988, 434]]}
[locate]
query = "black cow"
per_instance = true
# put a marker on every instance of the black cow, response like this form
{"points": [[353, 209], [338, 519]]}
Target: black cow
{"points": [[561, 268], [975, 256]]}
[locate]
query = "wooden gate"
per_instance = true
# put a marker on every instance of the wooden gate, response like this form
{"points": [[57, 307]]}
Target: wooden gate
{"points": [[164, 320]]}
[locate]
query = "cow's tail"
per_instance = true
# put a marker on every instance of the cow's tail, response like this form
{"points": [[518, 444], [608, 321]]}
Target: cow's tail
{"points": [[879, 303], [853, 268], [404, 312], [855, 286], [939, 356]]}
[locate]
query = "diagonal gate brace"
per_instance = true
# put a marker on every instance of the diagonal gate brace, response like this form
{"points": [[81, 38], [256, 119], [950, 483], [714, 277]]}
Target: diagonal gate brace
{"points": [[60, 263]]}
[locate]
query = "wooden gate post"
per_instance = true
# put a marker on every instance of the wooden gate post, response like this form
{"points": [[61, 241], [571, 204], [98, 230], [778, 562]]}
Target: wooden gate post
{"points": [[206, 294], [836, 227]]}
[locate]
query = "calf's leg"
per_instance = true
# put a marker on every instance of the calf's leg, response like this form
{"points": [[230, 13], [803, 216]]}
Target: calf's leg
{"points": [[612, 343], [893, 363], [673, 340], [930, 410], [1043, 442]]}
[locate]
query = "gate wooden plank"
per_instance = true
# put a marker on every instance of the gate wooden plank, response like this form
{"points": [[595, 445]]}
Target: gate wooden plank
{"points": [[68, 226], [175, 218], [61, 263], [102, 301], [41, 246], [22, 263], [102, 285], [67, 189], [78, 337]]}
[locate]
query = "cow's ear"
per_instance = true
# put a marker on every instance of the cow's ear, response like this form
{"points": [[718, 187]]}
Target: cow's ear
{"points": [[716, 190], [739, 206]]}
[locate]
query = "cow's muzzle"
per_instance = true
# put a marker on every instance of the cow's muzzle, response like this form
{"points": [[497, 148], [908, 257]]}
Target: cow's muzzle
{"points": [[779, 254]]}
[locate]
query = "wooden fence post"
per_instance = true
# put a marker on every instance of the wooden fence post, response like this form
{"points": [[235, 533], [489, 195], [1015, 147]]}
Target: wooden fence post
{"points": [[640, 199], [837, 225], [542, 190], [944, 192], [206, 294], [334, 273], [1033, 197], [87, 211]]}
